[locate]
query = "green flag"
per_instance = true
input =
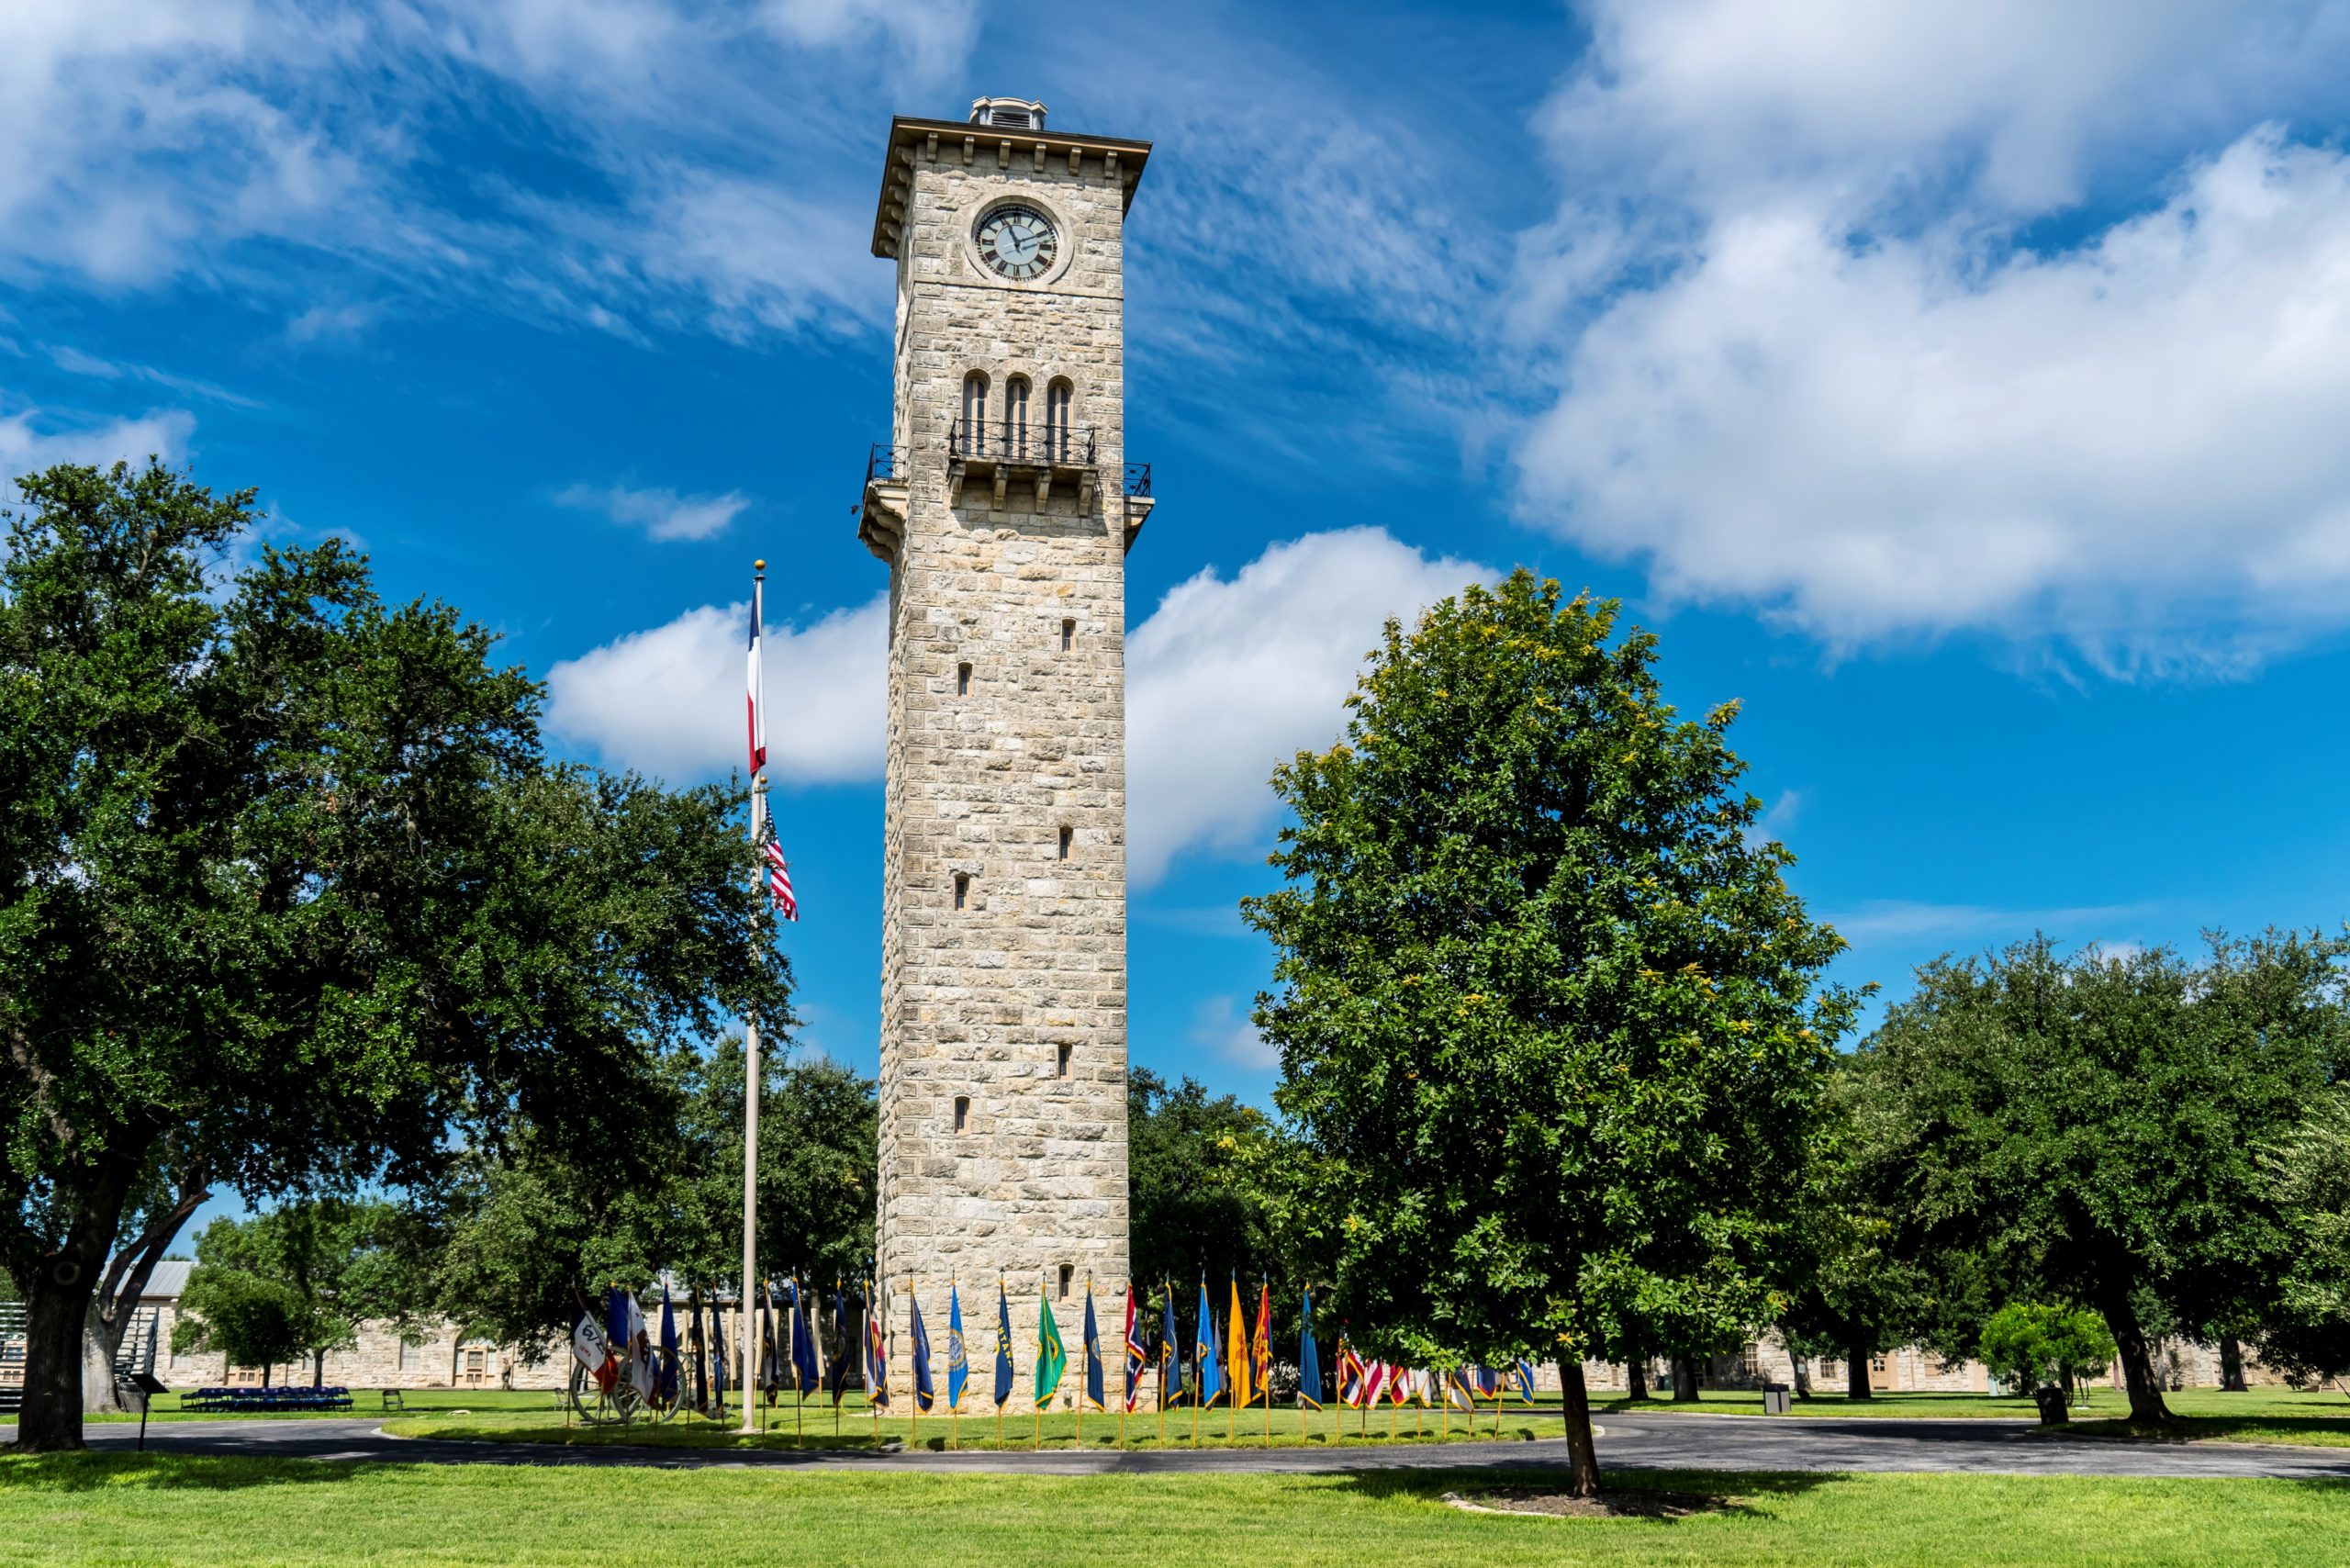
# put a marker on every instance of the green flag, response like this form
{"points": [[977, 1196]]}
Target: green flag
{"points": [[1051, 1357]]}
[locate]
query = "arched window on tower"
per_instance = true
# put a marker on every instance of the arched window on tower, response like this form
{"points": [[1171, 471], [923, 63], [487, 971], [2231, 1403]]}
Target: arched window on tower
{"points": [[1015, 417], [975, 413], [1057, 396]]}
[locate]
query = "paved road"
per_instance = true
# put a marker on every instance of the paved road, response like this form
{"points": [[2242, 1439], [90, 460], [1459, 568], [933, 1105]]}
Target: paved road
{"points": [[1626, 1443]]}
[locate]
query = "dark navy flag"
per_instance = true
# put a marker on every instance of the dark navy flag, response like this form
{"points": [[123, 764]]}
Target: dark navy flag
{"points": [[1093, 1352], [845, 1333], [803, 1344], [925, 1395], [718, 1347], [1003, 1347], [668, 1375], [1309, 1360], [1170, 1350]]}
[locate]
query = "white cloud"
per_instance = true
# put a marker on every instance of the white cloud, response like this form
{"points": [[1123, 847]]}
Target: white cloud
{"points": [[663, 514], [1901, 920], [329, 323], [1227, 678], [668, 701], [1224, 680], [2133, 445], [24, 450], [1735, 105], [1219, 1025]]}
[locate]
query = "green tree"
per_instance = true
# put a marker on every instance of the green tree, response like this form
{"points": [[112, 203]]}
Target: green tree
{"points": [[1548, 1016], [251, 1320], [2090, 1125], [291, 900], [347, 1261], [535, 1231], [2308, 1333], [2032, 1343]]}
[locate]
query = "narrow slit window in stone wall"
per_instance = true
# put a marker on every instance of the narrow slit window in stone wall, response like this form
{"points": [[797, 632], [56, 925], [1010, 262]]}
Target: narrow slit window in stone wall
{"points": [[1069, 634], [1015, 417], [975, 413], [1066, 836], [962, 680], [1068, 1271], [1061, 1063], [962, 889], [962, 1113], [1057, 443]]}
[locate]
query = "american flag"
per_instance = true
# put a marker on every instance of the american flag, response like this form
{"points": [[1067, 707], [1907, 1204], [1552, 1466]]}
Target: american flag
{"points": [[779, 882], [778, 868]]}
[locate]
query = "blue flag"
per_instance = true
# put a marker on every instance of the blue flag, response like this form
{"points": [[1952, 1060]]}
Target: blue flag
{"points": [[958, 1361], [1170, 1347], [616, 1323], [1522, 1373], [668, 1384], [1093, 1352], [717, 1348], [1309, 1360], [924, 1395], [804, 1343], [1003, 1347], [1203, 1353]]}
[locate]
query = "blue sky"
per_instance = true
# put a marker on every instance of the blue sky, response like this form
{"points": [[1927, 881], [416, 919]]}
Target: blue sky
{"points": [[1960, 385]]}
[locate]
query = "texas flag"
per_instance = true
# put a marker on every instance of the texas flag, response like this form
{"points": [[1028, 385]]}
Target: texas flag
{"points": [[753, 687]]}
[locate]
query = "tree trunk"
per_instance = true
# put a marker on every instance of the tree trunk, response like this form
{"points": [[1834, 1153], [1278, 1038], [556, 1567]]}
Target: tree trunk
{"points": [[2137, 1364], [1574, 1403], [2231, 1364], [1798, 1374], [1856, 1373], [317, 1369], [1685, 1378], [58, 1311], [115, 1304], [1636, 1378]]}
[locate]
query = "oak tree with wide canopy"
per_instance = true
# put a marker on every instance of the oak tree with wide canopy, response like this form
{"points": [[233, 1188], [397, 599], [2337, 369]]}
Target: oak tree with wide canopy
{"points": [[1550, 1018], [2091, 1125], [290, 898]]}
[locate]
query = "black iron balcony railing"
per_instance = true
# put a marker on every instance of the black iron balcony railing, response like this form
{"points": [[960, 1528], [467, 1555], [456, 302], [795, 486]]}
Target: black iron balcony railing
{"points": [[1137, 479], [1017, 441], [881, 462]]}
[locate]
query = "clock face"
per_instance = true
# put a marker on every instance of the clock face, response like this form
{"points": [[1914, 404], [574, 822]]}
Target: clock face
{"points": [[1019, 242]]}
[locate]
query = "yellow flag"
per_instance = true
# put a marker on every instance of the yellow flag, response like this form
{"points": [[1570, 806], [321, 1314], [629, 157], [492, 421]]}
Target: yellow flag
{"points": [[1236, 1358]]}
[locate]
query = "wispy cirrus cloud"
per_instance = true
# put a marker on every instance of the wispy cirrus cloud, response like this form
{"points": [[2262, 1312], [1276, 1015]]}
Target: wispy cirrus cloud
{"points": [[32, 440]]}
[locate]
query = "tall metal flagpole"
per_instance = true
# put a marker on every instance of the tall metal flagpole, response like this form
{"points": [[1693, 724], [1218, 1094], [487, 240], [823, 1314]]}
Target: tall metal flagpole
{"points": [[750, 1079]]}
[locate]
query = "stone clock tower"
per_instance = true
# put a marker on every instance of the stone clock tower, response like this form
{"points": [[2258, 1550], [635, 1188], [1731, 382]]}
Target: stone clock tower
{"points": [[1005, 505]]}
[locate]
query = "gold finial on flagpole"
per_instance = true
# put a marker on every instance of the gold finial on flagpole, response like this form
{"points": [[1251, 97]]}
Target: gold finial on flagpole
{"points": [[758, 565]]}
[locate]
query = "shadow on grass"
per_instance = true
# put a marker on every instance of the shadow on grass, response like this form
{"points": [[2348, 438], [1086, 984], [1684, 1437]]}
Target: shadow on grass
{"points": [[2284, 1431], [1660, 1496], [91, 1472]]}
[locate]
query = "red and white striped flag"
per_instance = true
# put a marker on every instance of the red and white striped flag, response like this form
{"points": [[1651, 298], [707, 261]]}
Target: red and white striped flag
{"points": [[756, 685], [779, 881]]}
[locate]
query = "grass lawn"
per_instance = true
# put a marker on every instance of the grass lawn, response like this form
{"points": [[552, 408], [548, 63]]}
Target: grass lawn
{"points": [[86, 1508], [2257, 1416]]}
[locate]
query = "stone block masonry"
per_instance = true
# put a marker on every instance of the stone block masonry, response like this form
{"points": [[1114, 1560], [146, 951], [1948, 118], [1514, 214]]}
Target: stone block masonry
{"points": [[1003, 985]]}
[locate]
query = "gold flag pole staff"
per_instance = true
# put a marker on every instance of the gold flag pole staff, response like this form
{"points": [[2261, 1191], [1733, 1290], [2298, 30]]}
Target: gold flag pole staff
{"points": [[1036, 1405], [800, 1389], [954, 1405], [1002, 1331], [1085, 1378], [872, 1395], [914, 1399], [1265, 1360], [836, 1375]]}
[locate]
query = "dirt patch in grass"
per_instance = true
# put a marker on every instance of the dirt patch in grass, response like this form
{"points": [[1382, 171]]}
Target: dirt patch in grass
{"points": [[1619, 1504]]}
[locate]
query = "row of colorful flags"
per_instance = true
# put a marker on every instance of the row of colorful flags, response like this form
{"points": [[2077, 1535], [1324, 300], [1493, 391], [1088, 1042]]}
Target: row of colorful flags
{"points": [[1229, 1364]]}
